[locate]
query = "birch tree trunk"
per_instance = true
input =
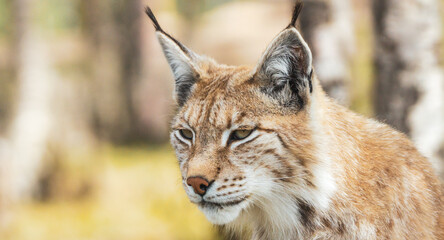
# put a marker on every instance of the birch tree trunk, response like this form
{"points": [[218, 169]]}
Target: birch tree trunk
{"points": [[327, 26], [409, 87], [31, 125]]}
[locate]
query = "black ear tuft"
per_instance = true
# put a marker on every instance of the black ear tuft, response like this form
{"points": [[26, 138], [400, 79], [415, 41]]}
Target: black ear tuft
{"points": [[296, 11], [153, 18], [159, 29]]}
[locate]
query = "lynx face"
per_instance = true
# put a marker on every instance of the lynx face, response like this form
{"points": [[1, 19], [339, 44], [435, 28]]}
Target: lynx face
{"points": [[242, 135], [230, 134]]}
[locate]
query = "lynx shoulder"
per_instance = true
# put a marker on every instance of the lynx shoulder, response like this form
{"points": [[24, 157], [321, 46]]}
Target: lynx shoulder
{"points": [[265, 154]]}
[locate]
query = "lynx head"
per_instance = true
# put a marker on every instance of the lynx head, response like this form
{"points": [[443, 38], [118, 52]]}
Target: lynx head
{"points": [[244, 137]]}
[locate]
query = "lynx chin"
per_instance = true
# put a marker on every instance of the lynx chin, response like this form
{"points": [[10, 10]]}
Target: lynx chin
{"points": [[265, 154]]}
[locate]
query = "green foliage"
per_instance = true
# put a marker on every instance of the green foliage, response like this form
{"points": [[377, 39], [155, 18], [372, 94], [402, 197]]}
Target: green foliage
{"points": [[362, 70], [57, 15]]}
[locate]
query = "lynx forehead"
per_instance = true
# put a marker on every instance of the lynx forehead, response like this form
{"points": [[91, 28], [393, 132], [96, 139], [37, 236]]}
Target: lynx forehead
{"points": [[265, 154]]}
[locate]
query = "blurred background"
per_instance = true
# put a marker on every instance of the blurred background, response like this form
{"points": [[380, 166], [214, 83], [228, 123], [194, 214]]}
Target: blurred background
{"points": [[86, 99]]}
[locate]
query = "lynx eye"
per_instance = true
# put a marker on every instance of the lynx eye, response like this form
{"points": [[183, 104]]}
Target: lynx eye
{"points": [[241, 134], [185, 133]]}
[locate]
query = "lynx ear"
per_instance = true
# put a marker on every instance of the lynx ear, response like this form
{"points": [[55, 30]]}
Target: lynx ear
{"points": [[183, 61], [285, 68]]}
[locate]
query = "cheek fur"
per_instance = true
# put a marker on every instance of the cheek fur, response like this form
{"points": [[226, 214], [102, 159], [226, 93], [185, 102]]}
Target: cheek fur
{"points": [[269, 160]]}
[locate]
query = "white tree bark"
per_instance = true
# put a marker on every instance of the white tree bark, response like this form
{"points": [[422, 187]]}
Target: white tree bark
{"points": [[30, 130], [24, 146], [409, 90], [327, 25]]}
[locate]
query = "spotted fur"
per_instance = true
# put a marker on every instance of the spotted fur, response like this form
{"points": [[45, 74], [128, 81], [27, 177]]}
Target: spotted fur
{"points": [[310, 169]]}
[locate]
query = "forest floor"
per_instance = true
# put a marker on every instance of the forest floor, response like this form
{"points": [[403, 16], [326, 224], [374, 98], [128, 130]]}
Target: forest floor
{"points": [[136, 194]]}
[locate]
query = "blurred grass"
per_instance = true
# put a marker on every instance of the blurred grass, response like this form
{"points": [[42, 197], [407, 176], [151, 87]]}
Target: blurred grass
{"points": [[137, 195]]}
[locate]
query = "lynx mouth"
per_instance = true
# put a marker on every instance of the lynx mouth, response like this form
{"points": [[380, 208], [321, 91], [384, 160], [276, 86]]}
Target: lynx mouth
{"points": [[206, 204]]}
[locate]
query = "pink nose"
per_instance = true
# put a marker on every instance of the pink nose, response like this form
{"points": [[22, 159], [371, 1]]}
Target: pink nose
{"points": [[199, 184]]}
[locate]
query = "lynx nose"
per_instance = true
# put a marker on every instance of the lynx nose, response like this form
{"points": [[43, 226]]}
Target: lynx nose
{"points": [[199, 184]]}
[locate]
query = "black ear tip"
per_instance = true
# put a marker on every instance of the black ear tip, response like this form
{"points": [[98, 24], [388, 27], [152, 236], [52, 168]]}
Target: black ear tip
{"points": [[150, 14], [296, 11]]}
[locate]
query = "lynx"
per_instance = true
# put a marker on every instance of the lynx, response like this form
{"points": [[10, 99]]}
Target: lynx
{"points": [[265, 154]]}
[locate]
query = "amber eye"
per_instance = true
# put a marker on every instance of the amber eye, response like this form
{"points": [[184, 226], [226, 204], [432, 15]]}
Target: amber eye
{"points": [[241, 134], [185, 133]]}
